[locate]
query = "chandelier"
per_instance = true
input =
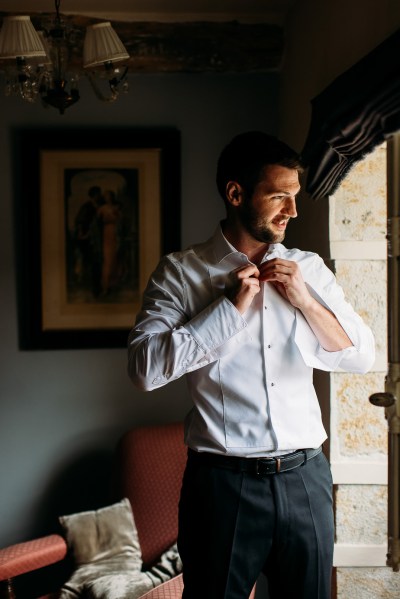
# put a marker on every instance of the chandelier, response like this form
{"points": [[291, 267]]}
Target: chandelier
{"points": [[36, 63]]}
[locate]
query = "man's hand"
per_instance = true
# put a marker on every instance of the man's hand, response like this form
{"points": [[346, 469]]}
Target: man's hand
{"points": [[286, 277], [243, 287]]}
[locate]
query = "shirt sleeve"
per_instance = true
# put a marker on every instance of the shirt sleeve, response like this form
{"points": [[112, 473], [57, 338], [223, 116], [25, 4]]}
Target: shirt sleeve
{"points": [[360, 357], [166, 343]]}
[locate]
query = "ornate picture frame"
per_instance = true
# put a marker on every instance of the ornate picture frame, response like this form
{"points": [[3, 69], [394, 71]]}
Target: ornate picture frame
{"points": [[96, 210]]}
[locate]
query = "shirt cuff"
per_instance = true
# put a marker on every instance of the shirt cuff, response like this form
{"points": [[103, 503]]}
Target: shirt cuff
{"points": [[215, 325], [313, 354]]}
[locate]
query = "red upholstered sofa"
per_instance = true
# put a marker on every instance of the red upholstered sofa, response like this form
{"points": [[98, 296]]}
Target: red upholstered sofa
{"points": [[149, 467]]}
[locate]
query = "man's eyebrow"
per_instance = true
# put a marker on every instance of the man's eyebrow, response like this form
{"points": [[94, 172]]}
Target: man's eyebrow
{"points": [[285, 193]]}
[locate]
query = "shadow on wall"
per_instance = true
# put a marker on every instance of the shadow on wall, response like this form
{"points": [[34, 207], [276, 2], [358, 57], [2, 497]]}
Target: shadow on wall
{"points": [[84, 484]]}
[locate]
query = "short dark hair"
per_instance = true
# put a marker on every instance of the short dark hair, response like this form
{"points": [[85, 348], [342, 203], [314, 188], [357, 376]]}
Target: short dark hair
{"points": [[247, 154]]}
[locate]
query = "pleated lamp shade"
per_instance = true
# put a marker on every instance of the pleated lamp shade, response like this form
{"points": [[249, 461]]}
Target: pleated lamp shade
{"points": [[18, 38], [101, 45]]}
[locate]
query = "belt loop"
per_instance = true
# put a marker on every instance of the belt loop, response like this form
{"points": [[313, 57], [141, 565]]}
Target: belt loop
{"points": [[278, 465], [305, 457]]}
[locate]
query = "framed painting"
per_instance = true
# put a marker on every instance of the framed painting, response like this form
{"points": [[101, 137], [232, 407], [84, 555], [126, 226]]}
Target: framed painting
{"points": [[96, 210]]}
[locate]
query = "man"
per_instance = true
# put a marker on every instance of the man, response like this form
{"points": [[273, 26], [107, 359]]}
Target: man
{"points": [[246, 320]]}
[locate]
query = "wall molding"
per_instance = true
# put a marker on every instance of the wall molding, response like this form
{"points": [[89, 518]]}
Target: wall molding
{"points": [[358, 250], [359, 556], [358, 472]]}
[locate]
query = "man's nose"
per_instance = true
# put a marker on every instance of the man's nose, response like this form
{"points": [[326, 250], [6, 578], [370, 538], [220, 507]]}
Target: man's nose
{"points": [[290, 207]]}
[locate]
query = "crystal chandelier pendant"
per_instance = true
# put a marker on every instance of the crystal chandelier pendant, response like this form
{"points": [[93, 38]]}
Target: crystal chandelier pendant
{"points": [[54, 87]]}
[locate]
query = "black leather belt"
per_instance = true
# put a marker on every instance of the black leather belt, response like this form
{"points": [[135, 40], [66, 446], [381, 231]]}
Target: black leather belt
{"points": [[258, 466]]}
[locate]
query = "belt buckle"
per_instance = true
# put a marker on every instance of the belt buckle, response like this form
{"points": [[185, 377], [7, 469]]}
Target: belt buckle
{"points": [[261, 461]]}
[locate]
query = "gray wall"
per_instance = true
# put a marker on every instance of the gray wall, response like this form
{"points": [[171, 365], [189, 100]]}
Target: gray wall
{"points": [[61, 412]]}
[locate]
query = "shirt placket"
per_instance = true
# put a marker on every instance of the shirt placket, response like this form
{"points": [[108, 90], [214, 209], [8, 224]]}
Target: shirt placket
{"points": [[270, 380], [267, 348]]}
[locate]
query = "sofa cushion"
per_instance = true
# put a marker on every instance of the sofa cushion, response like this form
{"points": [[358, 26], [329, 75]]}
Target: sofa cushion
{"points": [[105, 546], [103, 534]]}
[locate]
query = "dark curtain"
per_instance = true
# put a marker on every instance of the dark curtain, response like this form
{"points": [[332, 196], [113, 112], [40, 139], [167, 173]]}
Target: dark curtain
{"points": [[352, 116]]}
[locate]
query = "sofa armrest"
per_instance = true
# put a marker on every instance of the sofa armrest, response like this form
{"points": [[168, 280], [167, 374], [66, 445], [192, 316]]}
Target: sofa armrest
{"points": [[29, 556]]}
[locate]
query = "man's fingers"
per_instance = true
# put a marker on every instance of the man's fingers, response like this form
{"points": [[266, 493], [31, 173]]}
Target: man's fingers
{"points": [[286, 277], [243, 272], [274, 269], [244, 285]]}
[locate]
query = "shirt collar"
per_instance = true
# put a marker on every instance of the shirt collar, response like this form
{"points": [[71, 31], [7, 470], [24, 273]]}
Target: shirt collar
{"points": [[223, 249]]}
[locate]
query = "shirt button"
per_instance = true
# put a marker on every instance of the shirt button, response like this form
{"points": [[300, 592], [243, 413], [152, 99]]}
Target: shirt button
{"points": [[272, 384], [269, 347]]}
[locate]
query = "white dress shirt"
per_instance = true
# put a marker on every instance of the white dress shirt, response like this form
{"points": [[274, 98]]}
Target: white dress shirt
{"points": [[250, 375]]}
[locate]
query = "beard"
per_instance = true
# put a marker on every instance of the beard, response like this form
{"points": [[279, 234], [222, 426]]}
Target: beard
{"points": [[258, 227]]}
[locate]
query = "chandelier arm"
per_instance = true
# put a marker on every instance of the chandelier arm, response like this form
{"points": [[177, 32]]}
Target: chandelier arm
{"points": [[98, 93], [113, 84]]}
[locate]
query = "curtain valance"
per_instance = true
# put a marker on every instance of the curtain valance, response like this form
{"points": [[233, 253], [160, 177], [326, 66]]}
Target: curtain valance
{"points": [[356, 113]]}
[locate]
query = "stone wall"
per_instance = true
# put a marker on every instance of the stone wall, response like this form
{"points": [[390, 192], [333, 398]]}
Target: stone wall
{"points": [[358, 450]]}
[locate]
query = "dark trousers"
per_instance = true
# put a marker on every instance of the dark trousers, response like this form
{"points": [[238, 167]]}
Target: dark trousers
{"points": [[234, 525]]}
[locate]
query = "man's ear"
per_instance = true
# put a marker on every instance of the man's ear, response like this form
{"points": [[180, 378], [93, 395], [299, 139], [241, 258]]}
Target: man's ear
{"points": [[234, 193]]}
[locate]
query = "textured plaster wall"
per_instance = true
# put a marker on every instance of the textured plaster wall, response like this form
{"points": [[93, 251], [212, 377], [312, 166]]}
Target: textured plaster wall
{"points": [[367, 583], [358, 215], [358, 210], [358, 429], [364, 283], [361, 429], [361, 514]]}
